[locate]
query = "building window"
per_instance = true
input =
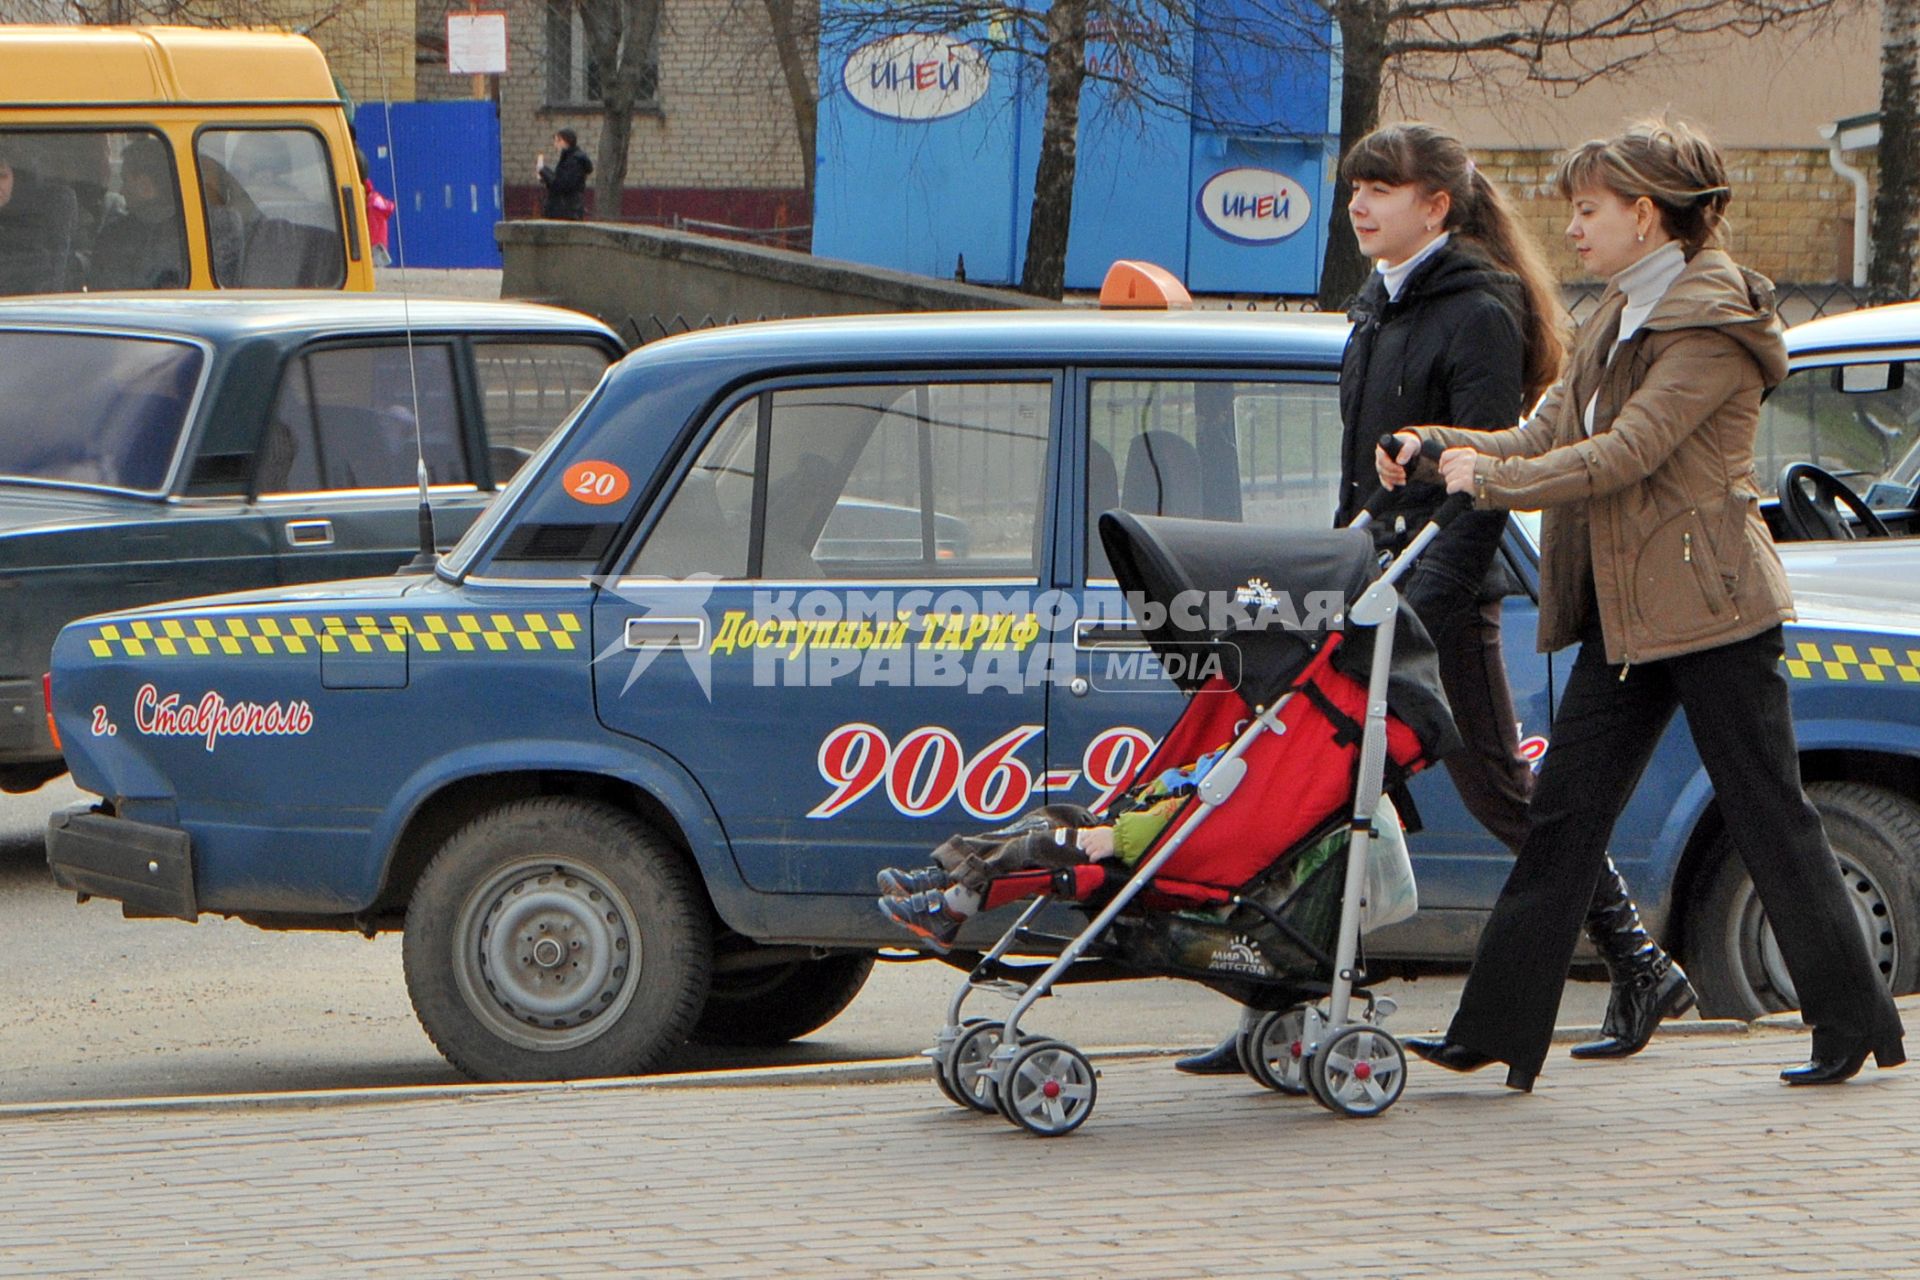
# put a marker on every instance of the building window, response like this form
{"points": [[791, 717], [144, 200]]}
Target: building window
{"points": [[570, 78]]}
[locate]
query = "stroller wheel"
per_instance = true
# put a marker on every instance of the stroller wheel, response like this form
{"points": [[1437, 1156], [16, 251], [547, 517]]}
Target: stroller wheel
{"points": [[965, 1077], [1358, 1071], [943, 1065], [1274, 1051], [1050, 1089]]}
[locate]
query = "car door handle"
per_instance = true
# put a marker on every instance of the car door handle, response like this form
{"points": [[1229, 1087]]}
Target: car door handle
{"points": [[1108, 635], [310, 533], [666, 633]]}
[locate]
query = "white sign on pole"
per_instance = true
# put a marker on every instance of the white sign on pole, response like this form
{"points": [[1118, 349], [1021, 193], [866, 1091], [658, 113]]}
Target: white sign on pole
{"points": [[477, 44]]}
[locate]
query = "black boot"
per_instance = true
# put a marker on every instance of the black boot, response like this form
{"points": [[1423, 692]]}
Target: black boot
{"points": [[1647, 985], [1221, 1060]]}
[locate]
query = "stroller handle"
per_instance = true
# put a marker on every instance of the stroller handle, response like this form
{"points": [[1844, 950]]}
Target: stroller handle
{"points": [[1383, 499]]}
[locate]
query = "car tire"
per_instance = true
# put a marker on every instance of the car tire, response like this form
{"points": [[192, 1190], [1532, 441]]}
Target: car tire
{"points": [[1730, 953], [557, 939], [751, 1008]]}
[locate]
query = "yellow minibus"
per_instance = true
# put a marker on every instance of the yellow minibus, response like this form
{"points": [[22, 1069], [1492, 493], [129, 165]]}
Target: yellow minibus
{"points": [[174, 158]]}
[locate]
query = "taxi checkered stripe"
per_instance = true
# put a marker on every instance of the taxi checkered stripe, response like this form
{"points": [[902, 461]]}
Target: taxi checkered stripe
{"points": [[1868, 663], [275, 637]]}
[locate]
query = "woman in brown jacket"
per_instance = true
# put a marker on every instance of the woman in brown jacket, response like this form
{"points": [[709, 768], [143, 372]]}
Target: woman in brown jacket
{"points": [[1654, 557]]}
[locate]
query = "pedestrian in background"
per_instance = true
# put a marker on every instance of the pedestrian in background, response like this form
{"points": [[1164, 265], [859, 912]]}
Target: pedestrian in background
{"points": [[1653, 555], [566, 180], [1461, 323]]}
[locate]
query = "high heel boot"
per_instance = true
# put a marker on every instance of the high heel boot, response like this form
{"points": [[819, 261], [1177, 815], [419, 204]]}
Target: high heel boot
{"points": [[1647, 985]]}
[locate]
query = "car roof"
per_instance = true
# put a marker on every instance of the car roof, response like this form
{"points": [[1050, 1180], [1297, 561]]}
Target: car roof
{"points": [[1066, 336], [1891, 326], [238, 314]]}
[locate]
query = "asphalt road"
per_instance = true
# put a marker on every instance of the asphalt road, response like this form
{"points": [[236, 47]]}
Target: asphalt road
{"points": [[98, 1006]]}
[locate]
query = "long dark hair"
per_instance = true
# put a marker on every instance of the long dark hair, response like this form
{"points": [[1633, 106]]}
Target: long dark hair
{"points": [[1437, 161]]}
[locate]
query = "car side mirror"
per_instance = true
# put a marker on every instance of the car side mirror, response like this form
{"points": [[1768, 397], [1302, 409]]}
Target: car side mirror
{"points": [[1866, 379]]}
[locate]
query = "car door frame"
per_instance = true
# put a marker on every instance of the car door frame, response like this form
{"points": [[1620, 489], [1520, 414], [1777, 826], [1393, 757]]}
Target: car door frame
{"points": [[784, 873], [315, 509]]}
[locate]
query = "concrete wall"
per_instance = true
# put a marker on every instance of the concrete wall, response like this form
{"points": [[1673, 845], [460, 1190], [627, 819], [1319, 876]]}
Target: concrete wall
{"points": [[639, 278]]}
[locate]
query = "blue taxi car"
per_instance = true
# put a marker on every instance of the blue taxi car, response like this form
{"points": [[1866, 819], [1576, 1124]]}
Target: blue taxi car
{"points": [[787, 603]]}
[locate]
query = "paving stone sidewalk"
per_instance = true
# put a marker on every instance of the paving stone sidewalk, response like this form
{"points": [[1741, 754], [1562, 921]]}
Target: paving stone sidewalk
{"points": [[1689, 1160]]}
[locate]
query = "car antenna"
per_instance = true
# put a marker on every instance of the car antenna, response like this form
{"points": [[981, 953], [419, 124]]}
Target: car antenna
{"points": [[427, 554]]}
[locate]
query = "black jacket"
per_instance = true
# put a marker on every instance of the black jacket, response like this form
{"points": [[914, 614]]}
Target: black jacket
{"points": [[566, 183], [1450, 349]]}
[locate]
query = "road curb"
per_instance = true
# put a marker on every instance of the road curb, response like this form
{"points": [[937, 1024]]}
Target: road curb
{"points": [[874, 1071]]}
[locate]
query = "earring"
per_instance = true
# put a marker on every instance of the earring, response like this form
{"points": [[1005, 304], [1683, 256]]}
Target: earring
{"points": [[1643, 237]]}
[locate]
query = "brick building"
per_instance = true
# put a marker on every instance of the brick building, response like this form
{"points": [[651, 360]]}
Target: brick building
{"points": [[717, 144], [1762, 99]]}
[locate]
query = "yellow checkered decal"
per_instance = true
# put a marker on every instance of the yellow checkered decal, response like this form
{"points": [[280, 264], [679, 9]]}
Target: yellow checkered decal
{"points": [[1869, 663], [276, 637]]}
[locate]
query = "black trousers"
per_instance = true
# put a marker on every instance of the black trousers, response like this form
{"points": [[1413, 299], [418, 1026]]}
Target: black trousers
{"points": [[1735, 700], [1492, 779]]}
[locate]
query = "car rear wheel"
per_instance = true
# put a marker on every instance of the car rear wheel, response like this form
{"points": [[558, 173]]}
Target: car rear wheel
{"points": [[773, 1004], [557, 939], [1732, 956]]}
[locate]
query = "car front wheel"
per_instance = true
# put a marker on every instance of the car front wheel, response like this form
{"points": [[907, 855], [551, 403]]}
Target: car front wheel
{"points": [[557, 939], [1732, 955]]}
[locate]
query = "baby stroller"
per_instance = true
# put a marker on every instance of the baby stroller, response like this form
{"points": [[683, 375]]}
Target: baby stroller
{"points": [[1256, 886]]}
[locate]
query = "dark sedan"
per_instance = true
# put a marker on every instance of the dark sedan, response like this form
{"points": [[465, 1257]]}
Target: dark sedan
{"points": [[153, 448]]}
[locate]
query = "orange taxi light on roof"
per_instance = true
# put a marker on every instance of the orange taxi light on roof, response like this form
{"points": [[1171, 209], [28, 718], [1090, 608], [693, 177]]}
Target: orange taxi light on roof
{"points": [[1142, 285]]}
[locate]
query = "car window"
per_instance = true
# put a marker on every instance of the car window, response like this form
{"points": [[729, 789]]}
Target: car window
{"points": [[344, 419], [526, 390], [1242, 451], [89, 209], [1858, 435], [865, 482], [92, 408], [273, 216]]}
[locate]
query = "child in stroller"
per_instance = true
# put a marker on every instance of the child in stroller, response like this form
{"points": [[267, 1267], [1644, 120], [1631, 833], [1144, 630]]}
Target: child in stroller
{"points": [[933, 902]]}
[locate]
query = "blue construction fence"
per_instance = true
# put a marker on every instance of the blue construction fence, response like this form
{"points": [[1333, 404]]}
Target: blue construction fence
{"points": [[439, 162]]}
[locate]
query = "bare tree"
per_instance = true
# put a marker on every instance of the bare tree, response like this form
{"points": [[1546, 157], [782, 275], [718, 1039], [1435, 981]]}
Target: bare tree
{"points": [[794, 25], [1898, 199], [1497, 44], [623, 39]]}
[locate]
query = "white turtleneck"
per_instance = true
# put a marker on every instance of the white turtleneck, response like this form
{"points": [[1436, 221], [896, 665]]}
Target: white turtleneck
{"points": [[1395, 277], [1644, 283]]}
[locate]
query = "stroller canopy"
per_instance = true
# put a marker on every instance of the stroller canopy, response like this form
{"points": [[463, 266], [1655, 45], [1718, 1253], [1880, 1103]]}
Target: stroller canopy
{"points": [[1264, 600]]}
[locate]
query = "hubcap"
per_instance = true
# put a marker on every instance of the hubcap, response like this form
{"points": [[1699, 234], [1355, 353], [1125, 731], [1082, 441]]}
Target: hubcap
{"points": [[548, 954], [1870, 910]]}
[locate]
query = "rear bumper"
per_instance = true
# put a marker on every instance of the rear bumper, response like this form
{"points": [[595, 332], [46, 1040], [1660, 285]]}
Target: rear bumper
{"points": [[148, 869]]}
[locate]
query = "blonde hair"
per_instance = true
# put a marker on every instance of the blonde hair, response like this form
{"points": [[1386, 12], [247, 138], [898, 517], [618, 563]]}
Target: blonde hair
{"points": [[1437, 161], [1666, 161]]}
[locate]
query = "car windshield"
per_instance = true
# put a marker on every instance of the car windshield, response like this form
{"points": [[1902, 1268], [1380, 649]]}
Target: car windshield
{"points": [[1857, 417], [93, 409]]}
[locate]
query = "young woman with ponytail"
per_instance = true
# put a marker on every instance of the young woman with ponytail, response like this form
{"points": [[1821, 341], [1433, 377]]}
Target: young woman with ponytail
{"points": [[1461, 323]]}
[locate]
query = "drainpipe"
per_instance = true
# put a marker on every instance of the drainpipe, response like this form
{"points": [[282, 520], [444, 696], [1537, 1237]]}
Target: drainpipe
{"points": [[1831, 132]]}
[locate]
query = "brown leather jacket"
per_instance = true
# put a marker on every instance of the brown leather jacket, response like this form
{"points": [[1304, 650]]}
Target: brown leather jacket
{"points": [[1659, 508]]}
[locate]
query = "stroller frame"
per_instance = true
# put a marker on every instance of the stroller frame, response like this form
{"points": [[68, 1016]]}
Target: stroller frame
{"points": [[1350, 1066]]}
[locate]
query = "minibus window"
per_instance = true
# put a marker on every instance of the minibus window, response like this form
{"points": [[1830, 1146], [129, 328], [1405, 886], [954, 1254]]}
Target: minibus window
{"points": [[272, 220], [89, 209]]}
